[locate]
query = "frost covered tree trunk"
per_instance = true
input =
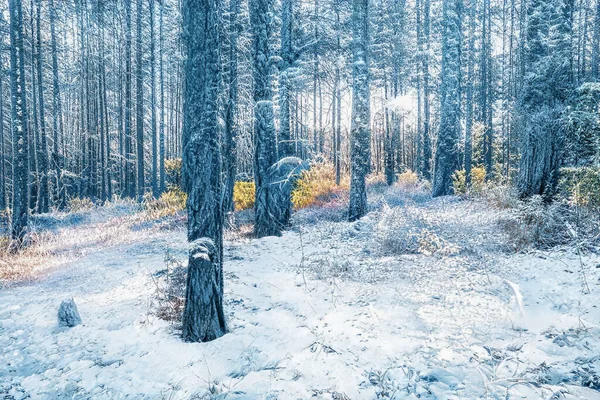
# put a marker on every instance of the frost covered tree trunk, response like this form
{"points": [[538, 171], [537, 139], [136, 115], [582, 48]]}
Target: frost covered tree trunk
{"points": [[284, 144], [161, 134], [203, 317], [20, 122], [446, 156], [360, 132], [129, 166], [265, 145], [139, 103], [547, 84], [155, 155], [469, 90], [229, 158], [3, 180], [43, 204], [426, 164]]}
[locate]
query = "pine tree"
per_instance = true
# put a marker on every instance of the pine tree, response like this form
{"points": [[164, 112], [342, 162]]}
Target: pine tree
{"points": [[547, 85], [360, 132], [20, 122], [446, 156], [203, 317], [265, 150]]}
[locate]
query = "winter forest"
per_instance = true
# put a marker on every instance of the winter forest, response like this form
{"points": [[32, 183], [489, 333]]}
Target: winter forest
{"points": [[293, 199]]}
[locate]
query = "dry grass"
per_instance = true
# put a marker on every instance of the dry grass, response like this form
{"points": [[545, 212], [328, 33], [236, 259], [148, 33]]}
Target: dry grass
{"points": [[47, 247]]}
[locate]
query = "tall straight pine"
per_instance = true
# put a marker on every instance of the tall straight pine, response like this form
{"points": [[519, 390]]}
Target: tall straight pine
{"points": [[203, 317]]}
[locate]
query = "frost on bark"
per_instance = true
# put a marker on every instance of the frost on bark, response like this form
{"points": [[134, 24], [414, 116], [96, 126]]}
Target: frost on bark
{"points": [[231, 77], [203, 317], [265, 139], [360, 133], [282, 178], [446, 156], [287, 56], [19, 122], [547, 83]]}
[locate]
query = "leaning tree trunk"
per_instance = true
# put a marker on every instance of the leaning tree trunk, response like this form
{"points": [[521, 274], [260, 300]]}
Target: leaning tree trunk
{"points": [[20, 122], [360, 133], [203, 317], [265, 144], [446, 156]]}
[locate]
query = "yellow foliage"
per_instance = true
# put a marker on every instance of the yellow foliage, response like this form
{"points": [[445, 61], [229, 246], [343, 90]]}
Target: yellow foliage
{"points": [[408, 179], [243, 195], [477, 180], [459, 181], [169, 203], [316, 185]]}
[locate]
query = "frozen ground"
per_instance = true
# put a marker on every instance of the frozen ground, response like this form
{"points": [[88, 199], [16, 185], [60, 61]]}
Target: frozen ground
{"points": [[323, 312]]}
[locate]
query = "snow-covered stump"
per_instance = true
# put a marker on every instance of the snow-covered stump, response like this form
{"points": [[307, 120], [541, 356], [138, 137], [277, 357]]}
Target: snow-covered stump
{"points": [[203, 315], [68, 316], [282, 177]]}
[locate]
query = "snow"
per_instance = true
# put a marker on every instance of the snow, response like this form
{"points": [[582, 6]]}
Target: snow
{"points": [[320, 312]]}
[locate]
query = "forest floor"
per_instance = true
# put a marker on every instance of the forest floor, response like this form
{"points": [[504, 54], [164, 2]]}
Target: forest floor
{"points": [[327, 311]]}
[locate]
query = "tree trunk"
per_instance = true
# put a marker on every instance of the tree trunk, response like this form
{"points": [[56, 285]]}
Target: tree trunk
{"points": [[360, 135], [265, 150], [139, 103], [203, 317], [155, 191], [20, 122], [57, 120], [229, 157], [446, 156]]}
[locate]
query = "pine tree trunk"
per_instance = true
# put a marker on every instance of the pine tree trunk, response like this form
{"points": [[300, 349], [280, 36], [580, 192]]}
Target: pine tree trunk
{"points": [[129, 167], [139, 103], [426, 165], [155, 191], [57, 120], [360, 132], [265, 145], [469, 94], [229, 158], [446, 156], [161, 140], [203, 317], [20, 122]]}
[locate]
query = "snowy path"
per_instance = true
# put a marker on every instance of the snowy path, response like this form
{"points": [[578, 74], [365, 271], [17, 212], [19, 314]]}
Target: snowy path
{"points": [[330, 318]]}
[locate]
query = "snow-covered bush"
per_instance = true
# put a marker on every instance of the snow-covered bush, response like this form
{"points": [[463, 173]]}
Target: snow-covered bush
{"points": [[408, 179], [537, 224], [399, 230], [169, 297], [502, 196], [78, 204]]}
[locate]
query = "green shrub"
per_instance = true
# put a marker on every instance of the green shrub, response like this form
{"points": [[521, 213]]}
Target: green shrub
{"points": [[581, 186]]}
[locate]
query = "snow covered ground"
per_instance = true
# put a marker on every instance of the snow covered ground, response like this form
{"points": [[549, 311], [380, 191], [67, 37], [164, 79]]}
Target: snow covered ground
{"points": [[325, 312]]}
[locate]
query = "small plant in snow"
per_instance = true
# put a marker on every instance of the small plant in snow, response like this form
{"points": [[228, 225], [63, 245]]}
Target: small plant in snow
{"points": [[399, 230]]}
